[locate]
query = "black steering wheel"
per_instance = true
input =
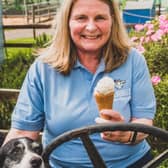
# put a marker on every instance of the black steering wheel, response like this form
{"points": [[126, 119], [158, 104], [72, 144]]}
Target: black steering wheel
{"points": [[97, 161]]}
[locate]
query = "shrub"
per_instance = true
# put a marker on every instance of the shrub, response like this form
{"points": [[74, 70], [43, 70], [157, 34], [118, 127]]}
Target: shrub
{"points": [[156, 56], [6, 108], [12, 74], [161, 117], [42, 40], [13, 70], [161, 92], [151, 39]]}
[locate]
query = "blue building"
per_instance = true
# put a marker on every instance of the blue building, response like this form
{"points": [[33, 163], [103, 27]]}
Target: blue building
{"points": [[140, 11]]}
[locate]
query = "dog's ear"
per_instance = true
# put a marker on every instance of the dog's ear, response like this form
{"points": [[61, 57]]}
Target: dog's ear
{"points": [[2, 157], [2, 138], [4, 150]]}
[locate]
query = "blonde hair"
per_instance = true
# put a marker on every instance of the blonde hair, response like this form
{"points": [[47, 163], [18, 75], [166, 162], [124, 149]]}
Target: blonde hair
{"points": [[61, 53]]}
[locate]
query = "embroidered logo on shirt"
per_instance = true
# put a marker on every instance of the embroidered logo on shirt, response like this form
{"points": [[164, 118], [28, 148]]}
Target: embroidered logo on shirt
{"points": [[119, 83]]}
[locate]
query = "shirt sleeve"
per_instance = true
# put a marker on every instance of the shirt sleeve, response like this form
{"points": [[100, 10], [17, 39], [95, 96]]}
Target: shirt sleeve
{"points": [[143, 103], [28, 113]]}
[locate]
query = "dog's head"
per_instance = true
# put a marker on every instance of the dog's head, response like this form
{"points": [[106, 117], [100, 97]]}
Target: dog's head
{"points": [[21, 153]]}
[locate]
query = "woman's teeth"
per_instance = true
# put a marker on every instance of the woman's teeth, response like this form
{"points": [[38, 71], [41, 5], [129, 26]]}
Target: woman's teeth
{"points": [[90, 37]]}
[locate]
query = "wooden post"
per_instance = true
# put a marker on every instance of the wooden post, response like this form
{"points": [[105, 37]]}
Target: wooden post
{"points": [[38, 12], [1, 35], [26, 12], [33, 14], [158, 6]]}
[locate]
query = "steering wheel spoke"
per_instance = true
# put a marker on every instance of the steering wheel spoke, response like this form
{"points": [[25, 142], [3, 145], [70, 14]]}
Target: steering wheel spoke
{"points": [[93, 153]]}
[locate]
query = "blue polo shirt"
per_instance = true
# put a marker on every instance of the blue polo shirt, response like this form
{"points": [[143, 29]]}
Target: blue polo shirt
{"points": [[56, 103]]}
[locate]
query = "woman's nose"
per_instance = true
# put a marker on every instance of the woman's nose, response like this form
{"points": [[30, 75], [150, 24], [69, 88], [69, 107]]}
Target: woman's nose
{"points": [[91, 26]]}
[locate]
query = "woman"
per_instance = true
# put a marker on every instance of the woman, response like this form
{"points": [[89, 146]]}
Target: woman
{"points": [[90, 42]]}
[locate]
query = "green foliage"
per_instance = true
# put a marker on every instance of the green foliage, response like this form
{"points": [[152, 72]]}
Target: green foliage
{"points": [[161, 117], [161, 92], [6, 108], [122, 3], [12, 7], [12, 73], [156, 55], [164, 164], [22, 40], [42, 40], [13, 70]]}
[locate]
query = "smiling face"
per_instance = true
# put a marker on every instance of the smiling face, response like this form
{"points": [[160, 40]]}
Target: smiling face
{"points": [[90, 25]]}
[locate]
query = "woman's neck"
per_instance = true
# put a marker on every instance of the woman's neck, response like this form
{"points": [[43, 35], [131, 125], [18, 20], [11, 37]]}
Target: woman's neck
{"points": [[89, 60]]}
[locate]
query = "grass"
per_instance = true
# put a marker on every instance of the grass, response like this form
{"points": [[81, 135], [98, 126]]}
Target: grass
{"points": [[13, 51], [21, 40], [39, 42]]}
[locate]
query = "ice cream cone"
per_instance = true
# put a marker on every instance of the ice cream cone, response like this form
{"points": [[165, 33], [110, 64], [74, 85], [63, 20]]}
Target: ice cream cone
{"points": [[104, 95], [104, 102]]}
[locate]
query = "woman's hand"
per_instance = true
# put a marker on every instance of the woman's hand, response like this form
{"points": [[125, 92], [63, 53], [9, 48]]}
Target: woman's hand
{"points": [[115, 136], [15, 133], [141, 136]]}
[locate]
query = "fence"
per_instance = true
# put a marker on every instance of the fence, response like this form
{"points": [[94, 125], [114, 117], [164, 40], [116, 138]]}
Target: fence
{"points": [[9, 93], [39, 12], [28, 26]]}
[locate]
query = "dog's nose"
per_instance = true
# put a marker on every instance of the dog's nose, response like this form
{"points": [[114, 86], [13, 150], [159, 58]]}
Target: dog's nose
{"points": [[35, 162]]}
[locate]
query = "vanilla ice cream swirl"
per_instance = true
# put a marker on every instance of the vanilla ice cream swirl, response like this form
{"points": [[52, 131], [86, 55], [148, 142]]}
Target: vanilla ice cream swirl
{"points": [[105, 85]]}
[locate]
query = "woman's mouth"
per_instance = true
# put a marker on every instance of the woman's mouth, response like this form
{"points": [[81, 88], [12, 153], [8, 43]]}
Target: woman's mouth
{"points": [[92, 37]]}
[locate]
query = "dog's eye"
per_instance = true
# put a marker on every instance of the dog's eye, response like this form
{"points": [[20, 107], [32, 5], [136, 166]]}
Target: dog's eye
{"points": [[16, 150], [37, 149], [16, 153]]}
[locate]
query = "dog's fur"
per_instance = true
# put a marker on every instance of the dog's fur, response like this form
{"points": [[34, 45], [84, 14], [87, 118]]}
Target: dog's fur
{"points": [[2, 137], [21, 153]]}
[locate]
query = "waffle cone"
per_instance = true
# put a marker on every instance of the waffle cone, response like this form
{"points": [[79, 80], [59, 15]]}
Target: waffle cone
{"points": [[104, 102]]}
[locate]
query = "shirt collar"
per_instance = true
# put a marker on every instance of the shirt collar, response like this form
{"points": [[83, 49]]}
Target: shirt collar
{"points": [[78, 64], [100, 68]]}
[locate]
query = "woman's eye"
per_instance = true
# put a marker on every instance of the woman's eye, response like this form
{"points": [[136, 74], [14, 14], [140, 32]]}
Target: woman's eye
{"points": [[80, 18], [100, 18]]}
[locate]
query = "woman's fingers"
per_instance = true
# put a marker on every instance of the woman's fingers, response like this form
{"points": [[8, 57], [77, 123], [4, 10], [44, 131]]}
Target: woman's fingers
{"points": [[116, 136], [115, 116], [99, 120]]}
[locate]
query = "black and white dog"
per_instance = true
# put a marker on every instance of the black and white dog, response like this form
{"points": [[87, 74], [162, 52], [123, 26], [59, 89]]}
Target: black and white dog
{"points": [[21, 153]]}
